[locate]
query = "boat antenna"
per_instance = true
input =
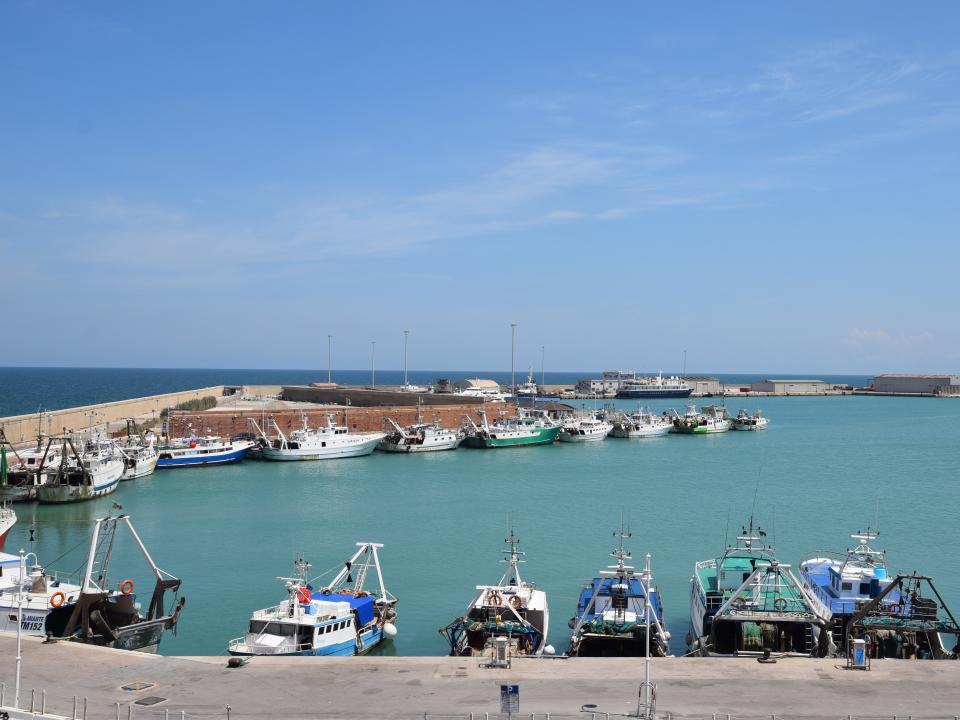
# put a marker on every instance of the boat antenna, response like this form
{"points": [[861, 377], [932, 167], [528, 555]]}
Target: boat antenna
{"points": [[726, 530], [876, 515]]}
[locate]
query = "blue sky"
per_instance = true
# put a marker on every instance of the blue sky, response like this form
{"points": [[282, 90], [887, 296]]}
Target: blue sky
{"points": [[224, 184]]}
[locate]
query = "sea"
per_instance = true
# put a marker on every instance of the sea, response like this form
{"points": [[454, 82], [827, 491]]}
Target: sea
{"points": [[826, 467]]}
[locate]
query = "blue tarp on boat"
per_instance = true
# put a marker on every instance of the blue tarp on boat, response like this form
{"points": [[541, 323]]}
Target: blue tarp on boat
{"points": [[363, 605]]}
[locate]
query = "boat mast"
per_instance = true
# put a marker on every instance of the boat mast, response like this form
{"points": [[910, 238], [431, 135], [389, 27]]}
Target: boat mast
{"points": [[512, 557]]}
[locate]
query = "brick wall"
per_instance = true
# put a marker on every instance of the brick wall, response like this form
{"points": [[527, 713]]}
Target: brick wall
{"points": [[228, 423]]}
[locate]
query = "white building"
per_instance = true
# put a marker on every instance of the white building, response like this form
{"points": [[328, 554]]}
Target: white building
{"points": [[918, 384], [791, 387]]}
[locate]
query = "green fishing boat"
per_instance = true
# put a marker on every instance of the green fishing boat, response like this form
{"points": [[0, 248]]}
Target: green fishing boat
{"points": [[529, 427], [746, 602], [709, 419]]}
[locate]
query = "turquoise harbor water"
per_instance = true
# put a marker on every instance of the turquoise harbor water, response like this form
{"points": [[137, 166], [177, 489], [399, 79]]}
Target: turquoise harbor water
{"points": [[824, 468]]}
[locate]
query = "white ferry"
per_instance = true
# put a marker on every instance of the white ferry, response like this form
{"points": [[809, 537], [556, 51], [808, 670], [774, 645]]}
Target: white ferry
{"points": [[654, 387]]}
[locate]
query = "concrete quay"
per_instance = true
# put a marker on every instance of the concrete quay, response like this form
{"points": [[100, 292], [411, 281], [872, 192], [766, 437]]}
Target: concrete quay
{"points": [[415, 687]]}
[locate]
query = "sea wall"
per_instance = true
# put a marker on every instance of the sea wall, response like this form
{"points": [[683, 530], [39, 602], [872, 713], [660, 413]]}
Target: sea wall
{"points": [[22, 429]]}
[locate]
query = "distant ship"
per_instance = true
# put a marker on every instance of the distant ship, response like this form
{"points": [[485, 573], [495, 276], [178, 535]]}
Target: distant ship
{"points": [[654, 387]]}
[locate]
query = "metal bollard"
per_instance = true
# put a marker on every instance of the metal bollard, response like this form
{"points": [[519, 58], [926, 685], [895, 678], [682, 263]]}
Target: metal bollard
{"points": [[3, 693], [118, 710], [73, 715], [43, 702], [33, 695], [166, 714], [228, 712], [130, 711], [84, 707]]}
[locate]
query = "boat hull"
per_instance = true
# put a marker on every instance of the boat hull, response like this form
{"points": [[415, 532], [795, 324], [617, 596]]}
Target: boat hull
{"points": [[643, 432], [415, 448], [210, 459], [577, 438], [18, 493], [702, 429], [639, 394], [141, 469], [750, 428], [358, 449], [543, 436], [55, 494], [369, 639]]}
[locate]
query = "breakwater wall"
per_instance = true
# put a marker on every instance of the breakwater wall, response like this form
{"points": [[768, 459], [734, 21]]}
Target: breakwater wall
{"points": [[23, 429], [231, 420]]}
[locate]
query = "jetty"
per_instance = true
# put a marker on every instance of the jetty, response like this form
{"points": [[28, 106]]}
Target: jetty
{"points": [[112, 682]]}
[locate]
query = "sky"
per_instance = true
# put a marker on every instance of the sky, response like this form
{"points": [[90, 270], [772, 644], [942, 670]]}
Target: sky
{"points": [[768, 187]]}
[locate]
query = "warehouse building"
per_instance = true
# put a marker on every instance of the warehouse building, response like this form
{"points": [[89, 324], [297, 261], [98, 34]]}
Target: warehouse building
{"points": [[703, 385], [918, 384], [791, 387]]}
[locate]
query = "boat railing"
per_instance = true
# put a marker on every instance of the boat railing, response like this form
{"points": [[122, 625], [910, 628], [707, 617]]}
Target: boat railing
{"points": [[240, 645]]}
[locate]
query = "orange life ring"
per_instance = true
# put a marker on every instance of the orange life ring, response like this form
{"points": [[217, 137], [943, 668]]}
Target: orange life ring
{"points": [[57, 599], [516, 602], [126, 587], [304, 596]]}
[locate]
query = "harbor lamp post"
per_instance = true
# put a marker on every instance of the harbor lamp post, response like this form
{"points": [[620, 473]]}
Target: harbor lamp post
{"points": [[542, 373], [406, 335], [16, 690], [513, 343], [373, 363], [329, 359]]}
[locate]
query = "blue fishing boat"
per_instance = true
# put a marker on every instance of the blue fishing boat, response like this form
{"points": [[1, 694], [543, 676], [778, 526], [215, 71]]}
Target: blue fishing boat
{"points": [[342, 618], [614, 618], [188, 452], [897, 617]]}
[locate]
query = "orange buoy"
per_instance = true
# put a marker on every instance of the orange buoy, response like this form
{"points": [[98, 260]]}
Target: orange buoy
{"points": [[126, 587], [56, 600]]}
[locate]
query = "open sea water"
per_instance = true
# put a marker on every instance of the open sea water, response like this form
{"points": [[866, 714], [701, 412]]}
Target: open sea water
{"points": [[826, 467]]}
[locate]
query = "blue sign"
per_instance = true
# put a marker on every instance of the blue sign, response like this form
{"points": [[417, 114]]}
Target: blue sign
{"points": [[509, 698]]}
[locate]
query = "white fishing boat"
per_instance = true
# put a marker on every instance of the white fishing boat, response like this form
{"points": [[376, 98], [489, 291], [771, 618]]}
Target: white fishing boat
{"points": [[82, 476], [745, 421], [421, 437], [322, 443], [583, 429], [529, 387], [138, 452], [511, 616], [640, 424], [8, 518], [343, 618], [26, 471], [93, 611]]}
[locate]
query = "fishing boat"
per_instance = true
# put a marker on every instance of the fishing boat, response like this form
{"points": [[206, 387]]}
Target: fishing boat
{"points": [[640, 424], [709, 419], [529, 387], [746, 602], [529, 427], [322, 443], [81, 475], [657, 386], [583, 429], [208, 450], [746, 421], [613, 616], [895, 616], [486, 390], [94, 611], [8, 518], [343, 618], [511, 613], [138, 453], [26, 471], [420, 437]]}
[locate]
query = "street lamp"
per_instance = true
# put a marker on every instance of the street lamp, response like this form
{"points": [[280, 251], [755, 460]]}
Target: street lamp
{"points": [[373, 363], [513, 338], [329, 359], [406, 335], [16, 691]]}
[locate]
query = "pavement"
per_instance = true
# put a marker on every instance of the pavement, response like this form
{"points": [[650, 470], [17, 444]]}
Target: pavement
{"points": [[437, 687]]}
